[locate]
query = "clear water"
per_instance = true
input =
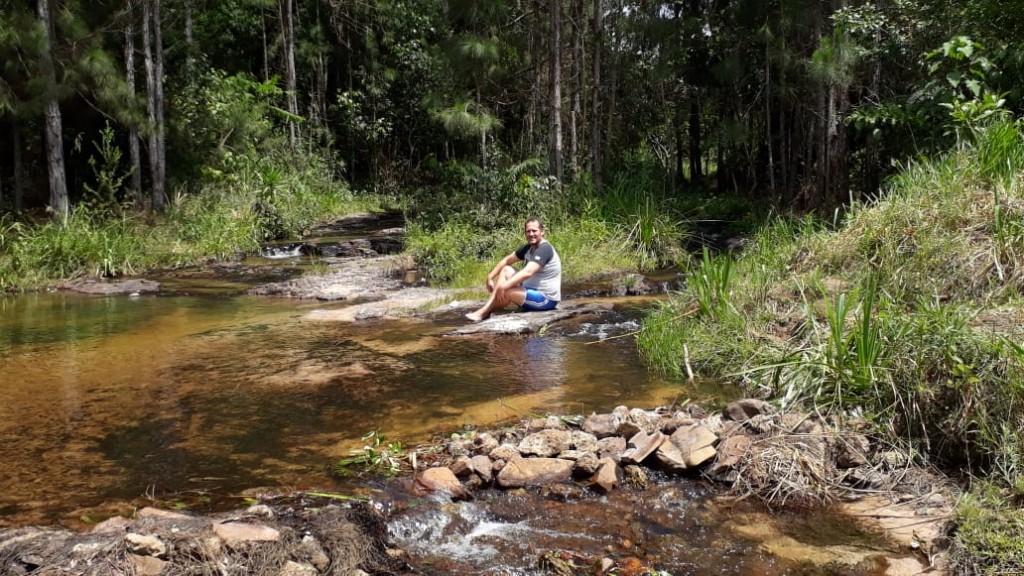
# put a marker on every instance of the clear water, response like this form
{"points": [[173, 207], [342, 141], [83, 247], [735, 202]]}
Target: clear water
{"points": [[202, 396], [113, 401]]}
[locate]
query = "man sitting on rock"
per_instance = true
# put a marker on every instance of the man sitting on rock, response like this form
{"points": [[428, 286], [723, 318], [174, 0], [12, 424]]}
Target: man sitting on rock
{"points": [[535, 287]]}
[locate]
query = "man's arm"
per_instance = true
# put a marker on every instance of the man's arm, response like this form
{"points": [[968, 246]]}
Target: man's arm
{"points": [[506, 261], [521, 276]]}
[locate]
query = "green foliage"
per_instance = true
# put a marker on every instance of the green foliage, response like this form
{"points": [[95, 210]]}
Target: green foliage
{"points": [[960, 71], [457, 253], [998, 149], [260, 198], [927, 341], [710, 282], [378, 456], [638, 203], [222, 120], [215, 223], [954, 104], [108, 171], [467, 118], [840, 364], [363, 120], [86, 242], [989, 528], [833, 62], [715, 347], [589, 247], [501, 196]]}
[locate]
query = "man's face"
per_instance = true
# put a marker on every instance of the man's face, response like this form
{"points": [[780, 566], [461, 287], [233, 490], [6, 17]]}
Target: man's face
{"points": [[534, 233]]}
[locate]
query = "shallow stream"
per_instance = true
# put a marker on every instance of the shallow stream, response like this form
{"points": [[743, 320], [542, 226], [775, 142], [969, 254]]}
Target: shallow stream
{"points": [[200, 395]]}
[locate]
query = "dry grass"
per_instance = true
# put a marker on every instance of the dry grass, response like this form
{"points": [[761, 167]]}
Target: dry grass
{"points": [[782, 472]]}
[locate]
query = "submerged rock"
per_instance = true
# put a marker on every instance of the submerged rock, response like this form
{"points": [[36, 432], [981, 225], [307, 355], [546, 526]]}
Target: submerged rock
{"points": [[112, 287]]}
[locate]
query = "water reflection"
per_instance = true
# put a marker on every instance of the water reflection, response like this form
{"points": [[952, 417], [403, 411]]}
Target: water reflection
{"points": [[108, 399], [544, 362]]}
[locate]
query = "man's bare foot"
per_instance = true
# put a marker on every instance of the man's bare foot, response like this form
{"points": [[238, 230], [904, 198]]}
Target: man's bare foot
{"points": [[475, 317]]}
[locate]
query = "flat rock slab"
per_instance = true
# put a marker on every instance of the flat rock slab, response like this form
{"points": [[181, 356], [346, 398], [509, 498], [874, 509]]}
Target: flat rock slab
{"points": [[400, 303], [113, 287], [349, 278], [527, 322]]}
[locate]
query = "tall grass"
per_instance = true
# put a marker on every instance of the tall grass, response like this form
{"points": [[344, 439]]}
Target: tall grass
{"points": [[233, 214], [903, 310], [638, 203], [838, 363], [711, 284], [908, 311]]}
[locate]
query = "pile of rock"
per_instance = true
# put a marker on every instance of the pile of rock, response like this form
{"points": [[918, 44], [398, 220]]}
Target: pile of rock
{"points": [[783, 458]]}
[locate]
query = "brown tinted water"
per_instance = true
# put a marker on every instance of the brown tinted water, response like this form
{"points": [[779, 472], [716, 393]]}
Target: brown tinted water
{"points": [[109, 400], [113, 403]]}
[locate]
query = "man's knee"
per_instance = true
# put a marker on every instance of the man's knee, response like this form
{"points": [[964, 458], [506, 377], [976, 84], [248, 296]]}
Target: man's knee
{"points": [[516, 295]]}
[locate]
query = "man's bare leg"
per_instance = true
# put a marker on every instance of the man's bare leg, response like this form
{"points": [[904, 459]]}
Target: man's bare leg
{"points": [[495, 302], [498, 300]]}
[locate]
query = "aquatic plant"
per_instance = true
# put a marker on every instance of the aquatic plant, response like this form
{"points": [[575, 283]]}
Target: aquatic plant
{"points": [[377, 455]]}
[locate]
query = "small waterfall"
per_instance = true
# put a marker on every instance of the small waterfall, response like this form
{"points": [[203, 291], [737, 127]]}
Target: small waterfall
{"points": [[467, 539], [282, 251]]}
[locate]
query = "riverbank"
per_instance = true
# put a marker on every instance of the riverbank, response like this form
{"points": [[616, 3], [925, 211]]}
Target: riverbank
{"points": [[747, 450], [904, 310]]}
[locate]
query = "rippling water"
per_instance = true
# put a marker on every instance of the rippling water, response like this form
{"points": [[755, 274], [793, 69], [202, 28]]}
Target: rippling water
{"points": [[677, 526]]}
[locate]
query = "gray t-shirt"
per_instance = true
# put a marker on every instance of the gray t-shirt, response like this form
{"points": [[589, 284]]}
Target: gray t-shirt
{"points": [[547, 280]]}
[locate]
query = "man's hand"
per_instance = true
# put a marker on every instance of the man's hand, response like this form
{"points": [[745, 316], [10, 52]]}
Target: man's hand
{"points": [[489, 284]]}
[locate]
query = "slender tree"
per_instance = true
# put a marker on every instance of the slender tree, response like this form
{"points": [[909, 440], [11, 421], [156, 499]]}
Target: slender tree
{"points": [[153, 54], [576, 107], [555, 154], [53, 123], [288, 39], [134, 159], [595, 113]]}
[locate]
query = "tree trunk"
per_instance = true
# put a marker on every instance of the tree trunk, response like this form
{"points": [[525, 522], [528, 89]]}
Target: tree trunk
{"points": [[189, 43], [577, 87], [266, 53], [555, 134], [288, 38], [533, 114], [678, 132], [152, 54], [696, 172], [159, 194], [839, 104], [769, 134], [19, 170], [319, 86], [612, 88], [53, 125], [595, 113], [134, 161]]}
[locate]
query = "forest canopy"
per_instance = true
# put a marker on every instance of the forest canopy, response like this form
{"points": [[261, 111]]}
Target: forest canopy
{"points": [[795, 103]]}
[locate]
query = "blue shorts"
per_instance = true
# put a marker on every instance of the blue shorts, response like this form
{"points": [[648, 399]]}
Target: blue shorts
{"points": [[537, 302]]}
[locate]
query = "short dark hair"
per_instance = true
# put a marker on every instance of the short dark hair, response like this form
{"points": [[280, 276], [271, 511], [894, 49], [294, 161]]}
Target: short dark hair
{"points": [[537, 220]]}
